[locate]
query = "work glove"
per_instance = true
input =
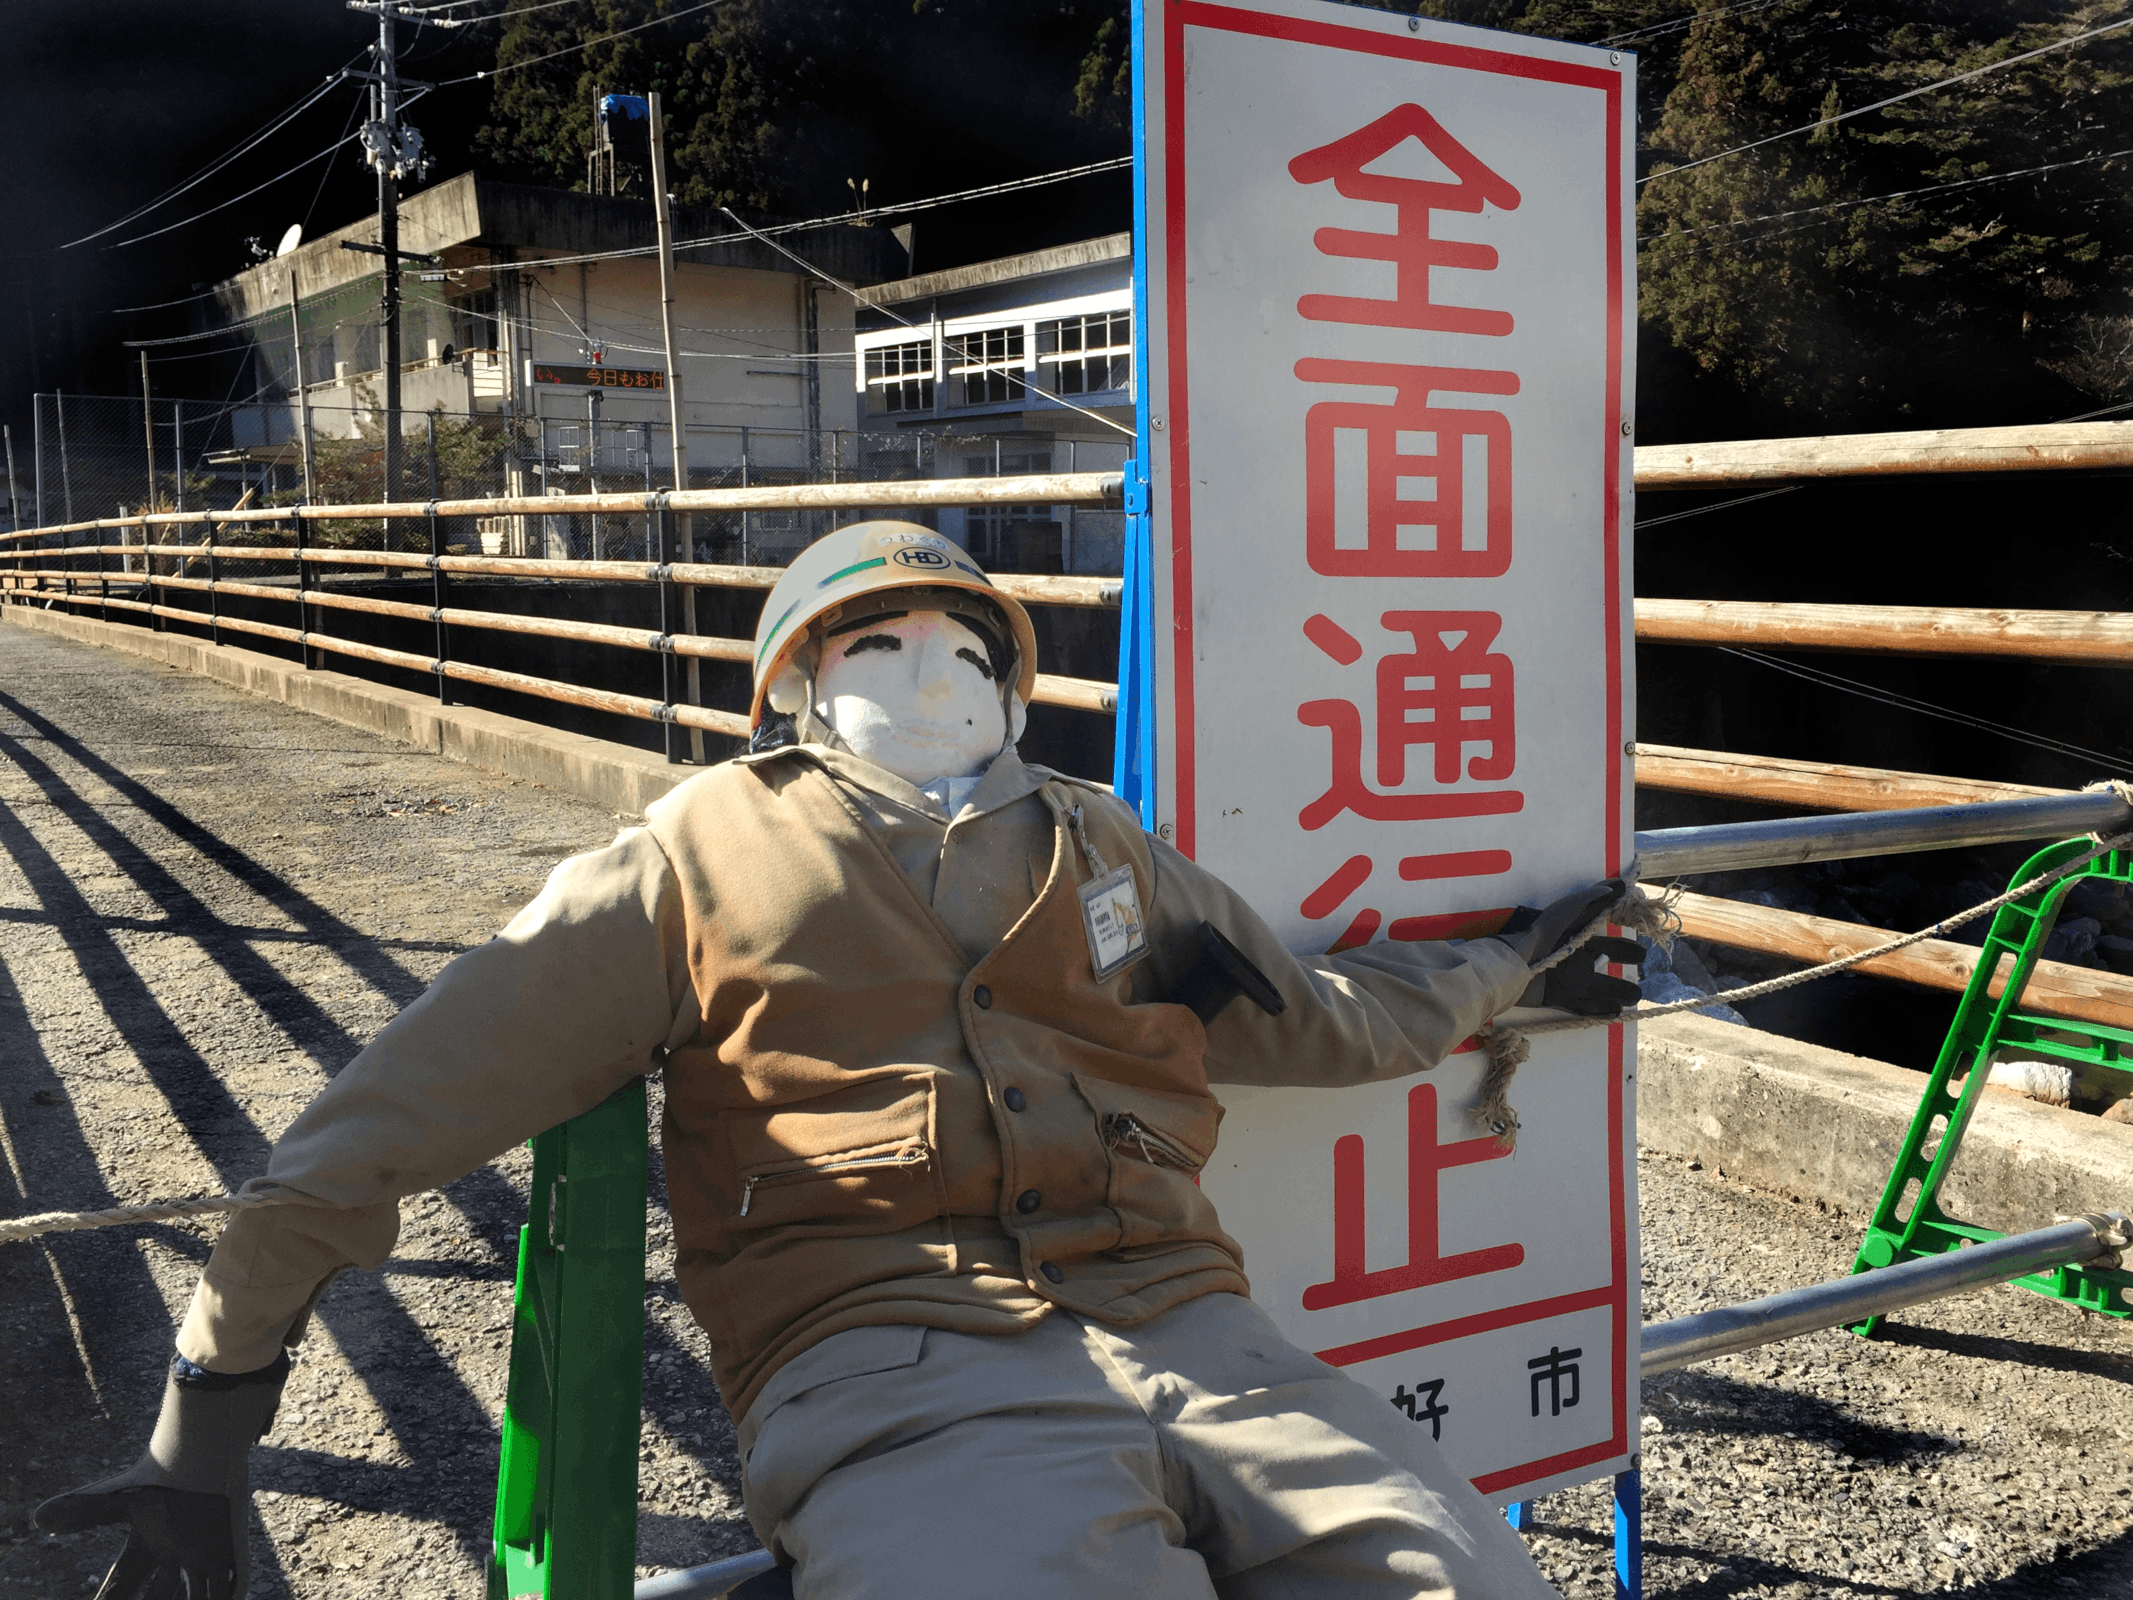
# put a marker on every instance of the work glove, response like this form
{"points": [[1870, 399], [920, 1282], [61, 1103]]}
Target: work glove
{"points": [[1574, 984], [187, 1499]]}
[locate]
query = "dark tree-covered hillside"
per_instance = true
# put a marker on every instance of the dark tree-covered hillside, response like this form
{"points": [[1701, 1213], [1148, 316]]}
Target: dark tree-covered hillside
{"points": [[1958, 257]]}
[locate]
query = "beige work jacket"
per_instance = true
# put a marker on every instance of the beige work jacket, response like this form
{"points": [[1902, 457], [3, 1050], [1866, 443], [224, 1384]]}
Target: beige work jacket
{"points": [[895, 1089]]}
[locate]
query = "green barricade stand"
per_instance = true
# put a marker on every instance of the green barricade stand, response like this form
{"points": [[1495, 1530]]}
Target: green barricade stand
{"points": [[1905, 1229], [566, 1487]]}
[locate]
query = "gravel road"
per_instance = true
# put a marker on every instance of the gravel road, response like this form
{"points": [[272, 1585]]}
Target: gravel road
{"points": [[208, 902]]}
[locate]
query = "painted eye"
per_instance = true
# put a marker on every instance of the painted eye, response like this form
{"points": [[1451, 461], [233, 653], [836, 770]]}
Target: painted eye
{"points": [[976, 660], [873, 641]]}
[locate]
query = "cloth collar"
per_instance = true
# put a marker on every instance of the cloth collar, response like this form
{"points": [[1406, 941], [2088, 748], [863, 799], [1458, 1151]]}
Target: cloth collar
{"points": [[1005, 781]]}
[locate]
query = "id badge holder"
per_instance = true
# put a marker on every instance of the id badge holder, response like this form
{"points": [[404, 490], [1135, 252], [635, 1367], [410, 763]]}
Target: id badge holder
{"points": [[1111, 916]]}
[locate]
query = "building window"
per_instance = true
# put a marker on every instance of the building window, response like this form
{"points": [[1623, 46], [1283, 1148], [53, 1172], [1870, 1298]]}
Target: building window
{"points": [[1087, 355], [900, 377], [987, 365], [1001, 533]]}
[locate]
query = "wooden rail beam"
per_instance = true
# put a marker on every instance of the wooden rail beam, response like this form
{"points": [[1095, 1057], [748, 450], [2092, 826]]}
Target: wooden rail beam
{"points": [[2067, 638], [2050, 447], [1036, 488], [2055, 988], [1812, 785]]}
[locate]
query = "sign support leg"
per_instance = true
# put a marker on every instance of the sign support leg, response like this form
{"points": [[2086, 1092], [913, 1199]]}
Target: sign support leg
{"points": [[1629, 1535]]}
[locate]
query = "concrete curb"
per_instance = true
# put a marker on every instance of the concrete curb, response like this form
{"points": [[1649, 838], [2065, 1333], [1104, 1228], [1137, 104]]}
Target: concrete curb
{"points": [[1821, 1125], [609, 775]]}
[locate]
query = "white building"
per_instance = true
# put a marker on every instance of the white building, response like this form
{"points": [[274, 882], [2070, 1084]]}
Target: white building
{"points": [[534, 287], [1024, 364]]}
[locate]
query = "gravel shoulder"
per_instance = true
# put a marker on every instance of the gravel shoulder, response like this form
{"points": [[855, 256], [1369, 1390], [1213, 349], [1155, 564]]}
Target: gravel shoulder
{"points": [[208, 902]]}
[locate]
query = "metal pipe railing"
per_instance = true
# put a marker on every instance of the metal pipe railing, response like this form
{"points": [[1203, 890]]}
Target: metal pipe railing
{"points": [[2078, 1241], [712, 1581], [1786, 841]]}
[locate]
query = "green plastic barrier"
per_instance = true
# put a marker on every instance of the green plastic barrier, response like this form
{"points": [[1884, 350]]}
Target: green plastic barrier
{"points": [[566, 1487], [1982, 1026]]}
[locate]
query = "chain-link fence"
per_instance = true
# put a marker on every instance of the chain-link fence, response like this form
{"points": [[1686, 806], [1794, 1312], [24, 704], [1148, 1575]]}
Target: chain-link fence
{"points": [[99, 456]]}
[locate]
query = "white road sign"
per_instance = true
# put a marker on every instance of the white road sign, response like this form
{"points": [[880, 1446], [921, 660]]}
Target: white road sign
{"points": [[1389, 278]]}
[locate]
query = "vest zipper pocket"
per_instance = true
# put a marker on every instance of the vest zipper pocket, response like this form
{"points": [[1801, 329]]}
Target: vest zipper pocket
{"points": [[916, 1155], [1126, 1133]]}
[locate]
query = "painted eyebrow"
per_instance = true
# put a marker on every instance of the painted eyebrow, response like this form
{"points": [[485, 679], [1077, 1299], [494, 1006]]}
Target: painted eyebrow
{"points": [[976, 660], [872, 641]]}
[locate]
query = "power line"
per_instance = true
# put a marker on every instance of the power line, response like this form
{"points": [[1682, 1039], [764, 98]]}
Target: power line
{"points": [[249, 143], [1894, 99], [517, 66], [1008, 187], [1679, 23], [1904, 702], [1675, 516], [226, 204], [1898, 194]]}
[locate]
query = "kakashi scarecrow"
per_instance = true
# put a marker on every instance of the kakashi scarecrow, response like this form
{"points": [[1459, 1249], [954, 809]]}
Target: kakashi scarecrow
{"points": [[937, 1029]]}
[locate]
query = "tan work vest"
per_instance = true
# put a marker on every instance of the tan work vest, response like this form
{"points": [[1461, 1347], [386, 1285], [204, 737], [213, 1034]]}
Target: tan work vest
{"points": [[870, 1130]]}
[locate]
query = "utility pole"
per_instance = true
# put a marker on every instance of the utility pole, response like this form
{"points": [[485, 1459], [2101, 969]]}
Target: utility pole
{"points": [[148, 432], [303, 394], [14, 507], [663, 215], [396, 152]]}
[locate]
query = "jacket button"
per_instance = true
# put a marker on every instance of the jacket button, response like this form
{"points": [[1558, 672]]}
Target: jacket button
{"points": [[1051, 1272], [1028, 1200], [1016, 1100], [981, 997]]}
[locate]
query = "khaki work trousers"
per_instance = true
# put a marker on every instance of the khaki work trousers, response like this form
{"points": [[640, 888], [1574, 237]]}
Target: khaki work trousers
{"points": [[1198, 1455]]}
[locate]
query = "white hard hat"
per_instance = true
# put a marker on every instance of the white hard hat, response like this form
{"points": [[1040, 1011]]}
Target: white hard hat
{"points": [[857, 564]]}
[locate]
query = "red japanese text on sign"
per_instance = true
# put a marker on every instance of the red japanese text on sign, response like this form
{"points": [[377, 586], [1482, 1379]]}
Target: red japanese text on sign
{"points": [[1426, 1160], [1411, 247], [1409, 441], [1449, 692]]}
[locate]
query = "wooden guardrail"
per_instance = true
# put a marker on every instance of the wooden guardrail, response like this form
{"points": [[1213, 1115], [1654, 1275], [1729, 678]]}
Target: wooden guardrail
{"points": [[2058, 446], [2083, 638], [2068, 638], [1812, 785], [2055, 987]]}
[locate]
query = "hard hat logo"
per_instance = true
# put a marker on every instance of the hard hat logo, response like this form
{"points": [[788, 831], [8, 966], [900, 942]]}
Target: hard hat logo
{"points": [[865, 560]]}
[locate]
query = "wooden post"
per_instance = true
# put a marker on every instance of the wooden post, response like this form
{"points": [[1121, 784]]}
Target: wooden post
{"points": [[303, 395], [148, 435]]}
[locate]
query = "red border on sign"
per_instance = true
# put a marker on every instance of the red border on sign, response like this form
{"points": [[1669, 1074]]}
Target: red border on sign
{"points": [[1206, 14]]}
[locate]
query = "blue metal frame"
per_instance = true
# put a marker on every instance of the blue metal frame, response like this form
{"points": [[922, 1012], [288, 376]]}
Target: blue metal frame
{"points": [[1133, 757]]}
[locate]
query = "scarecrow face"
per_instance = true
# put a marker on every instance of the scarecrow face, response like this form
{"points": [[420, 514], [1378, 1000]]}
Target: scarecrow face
{"points": [[915, 693]]}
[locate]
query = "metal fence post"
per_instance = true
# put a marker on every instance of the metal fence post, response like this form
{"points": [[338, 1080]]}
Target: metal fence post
{"points": [[745, 524], [103, 584], [214, 595], [664, 521], [303, 606], [437, 575]]}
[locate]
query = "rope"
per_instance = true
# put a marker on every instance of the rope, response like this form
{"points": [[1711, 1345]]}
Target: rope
{"points": [[1509, 1047], [161, 1211]]}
